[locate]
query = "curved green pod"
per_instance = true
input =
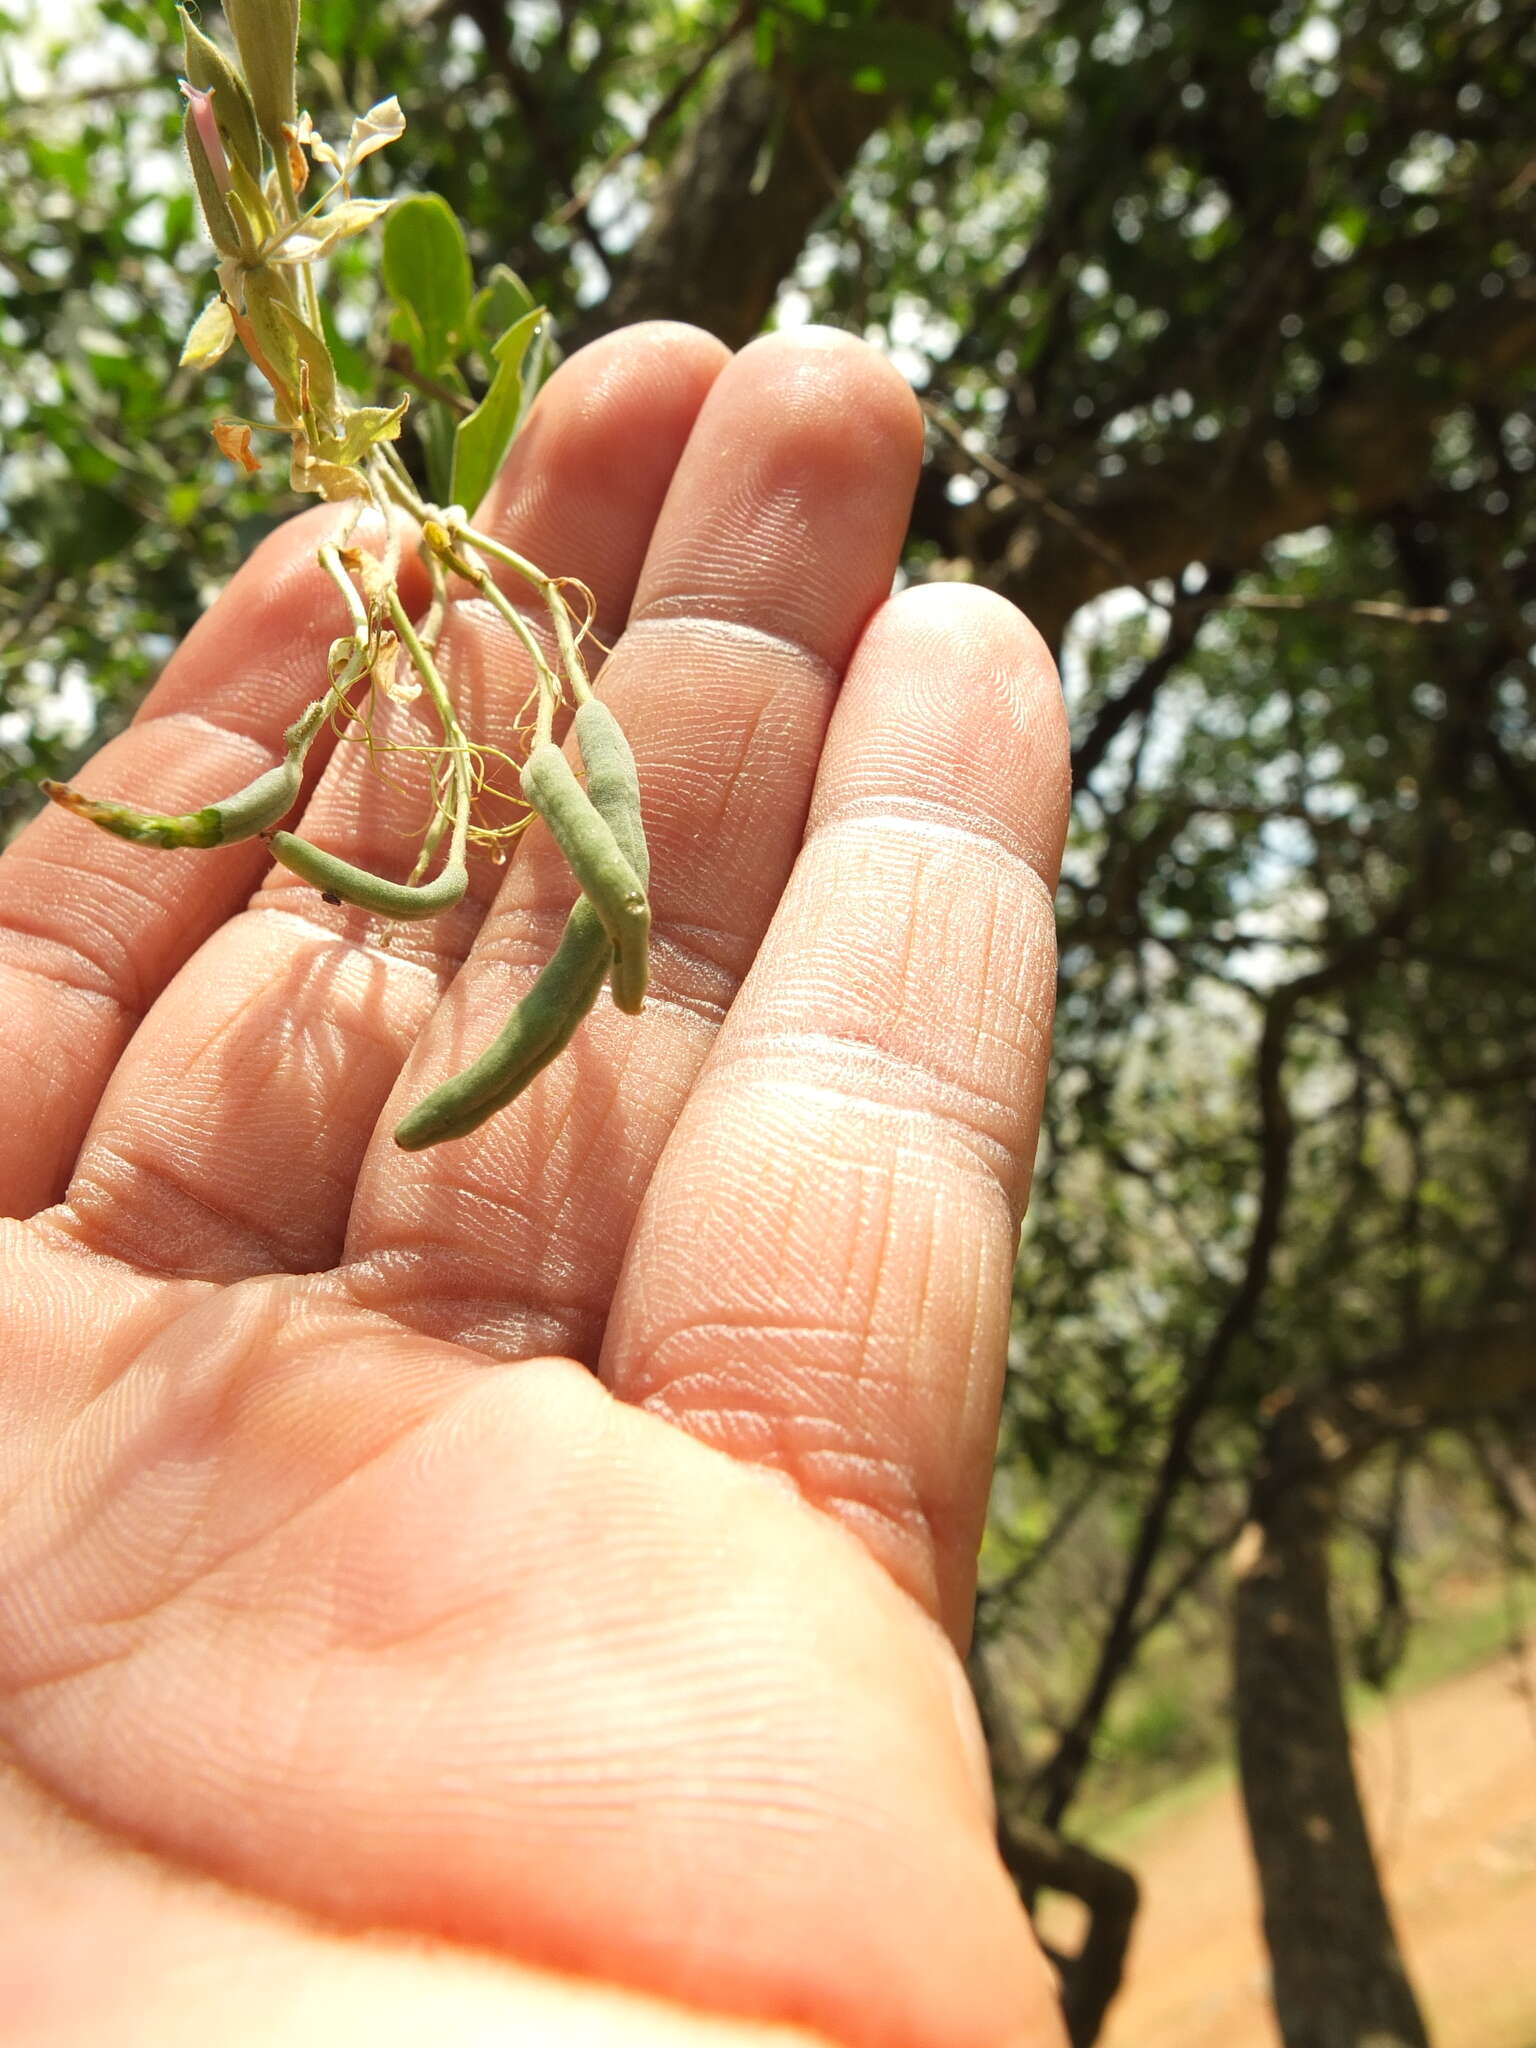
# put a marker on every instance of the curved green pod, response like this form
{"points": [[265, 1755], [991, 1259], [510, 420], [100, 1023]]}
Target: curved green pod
{"points": [[590, 846], [249, 811], [538, 1030], [614, 789], [337, 877]]}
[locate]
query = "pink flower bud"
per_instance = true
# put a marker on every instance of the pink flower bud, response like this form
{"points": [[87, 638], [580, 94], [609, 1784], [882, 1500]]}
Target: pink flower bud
{"points": [[201, 104]]}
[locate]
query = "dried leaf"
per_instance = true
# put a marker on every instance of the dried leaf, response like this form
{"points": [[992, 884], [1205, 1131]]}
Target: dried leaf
{"points": [[312, 140], [373, 578], [380, 126], [212, 332], [350, 217], [298, 162], [386, 672], [310, 472], [233, 438]]}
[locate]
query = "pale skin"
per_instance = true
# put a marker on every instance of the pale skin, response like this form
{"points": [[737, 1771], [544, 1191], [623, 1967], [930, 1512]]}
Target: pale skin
{"points": [[513, 1592]]}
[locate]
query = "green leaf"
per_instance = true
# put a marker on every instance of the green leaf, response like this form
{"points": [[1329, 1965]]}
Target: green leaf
{"points": [[484, 438], [434, 430], [365, 426], [353, 366], [316, 358], [426, 271], [541, 358], [502, 302]]}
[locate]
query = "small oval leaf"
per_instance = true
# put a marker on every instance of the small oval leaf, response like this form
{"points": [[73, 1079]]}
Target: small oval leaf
{"points": [[426, 270]]}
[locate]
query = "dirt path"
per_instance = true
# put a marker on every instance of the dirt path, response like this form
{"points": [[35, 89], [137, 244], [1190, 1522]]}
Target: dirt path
{"points": [[1450, 1783]]}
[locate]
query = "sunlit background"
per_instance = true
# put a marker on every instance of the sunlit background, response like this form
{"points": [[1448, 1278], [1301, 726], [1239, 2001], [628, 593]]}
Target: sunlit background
{"points": [[1223, 317]]}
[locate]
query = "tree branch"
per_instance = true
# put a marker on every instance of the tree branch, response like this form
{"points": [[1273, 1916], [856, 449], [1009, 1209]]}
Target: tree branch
{"points": [[1362, 450]]}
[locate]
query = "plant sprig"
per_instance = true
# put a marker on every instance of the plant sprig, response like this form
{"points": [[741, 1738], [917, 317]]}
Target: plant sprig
{"points": [[255, 158]]}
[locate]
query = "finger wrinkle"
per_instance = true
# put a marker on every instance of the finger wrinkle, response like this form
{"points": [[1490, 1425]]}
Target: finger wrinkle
{"points": [[864, 1075], [256, 740], [408, 949], [193, 1238], [519, 940], [63, 964], [705, 613], [696, 968], [102, 906], [497, 1330], [933, 819], [824, 1457]]}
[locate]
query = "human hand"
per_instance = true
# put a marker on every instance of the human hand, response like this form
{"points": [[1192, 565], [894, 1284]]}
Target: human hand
{"points": [[543, 1555]]}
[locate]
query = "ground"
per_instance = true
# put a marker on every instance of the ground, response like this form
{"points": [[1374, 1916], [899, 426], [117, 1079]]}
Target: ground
{"points": [[1449, 1774]]}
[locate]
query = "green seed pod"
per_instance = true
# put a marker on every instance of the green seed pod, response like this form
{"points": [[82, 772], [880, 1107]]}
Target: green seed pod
{"points": [[587, 840], [612, 782], [249, 811], [221, 222], [537, 1032], [337, 877], [614, 789]]}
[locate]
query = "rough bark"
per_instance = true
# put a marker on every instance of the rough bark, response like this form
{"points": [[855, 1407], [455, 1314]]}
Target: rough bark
{"points": [[763, 159], [1339, 1980], [1338, 1974]]}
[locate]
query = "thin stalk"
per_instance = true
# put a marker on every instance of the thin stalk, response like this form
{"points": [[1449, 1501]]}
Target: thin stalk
{"points": [[477, 574], [306, 273], [559, 611], [453, 732]]}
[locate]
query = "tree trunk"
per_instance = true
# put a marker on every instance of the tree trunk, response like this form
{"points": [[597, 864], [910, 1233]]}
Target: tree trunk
{"points": [[1339, 1979], [763, 160]]}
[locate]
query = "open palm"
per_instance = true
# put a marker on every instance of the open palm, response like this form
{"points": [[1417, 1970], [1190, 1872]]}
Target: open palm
{"points": [[510, 1591]]}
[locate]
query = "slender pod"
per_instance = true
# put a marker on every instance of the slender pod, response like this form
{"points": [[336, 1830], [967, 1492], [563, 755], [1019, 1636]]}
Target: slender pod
{"points": [[328, 872], [587, 840], [612, 782], [250, 811], [614, 789], [538, 1030]]}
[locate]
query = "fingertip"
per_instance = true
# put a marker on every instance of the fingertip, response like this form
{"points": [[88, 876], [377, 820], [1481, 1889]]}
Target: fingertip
{"points": [[953, 695], [974, 616], [824, 367]]}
